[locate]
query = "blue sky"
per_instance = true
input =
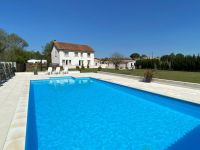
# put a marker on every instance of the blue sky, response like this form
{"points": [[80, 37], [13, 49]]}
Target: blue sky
{"points": [[124, 26]]}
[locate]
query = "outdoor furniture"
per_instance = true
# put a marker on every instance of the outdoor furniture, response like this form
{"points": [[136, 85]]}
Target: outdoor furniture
{"points": [[57, 71], [5, 72], [65, 71], [13, 69], [10, 70], [2, 79], [49, 70]]}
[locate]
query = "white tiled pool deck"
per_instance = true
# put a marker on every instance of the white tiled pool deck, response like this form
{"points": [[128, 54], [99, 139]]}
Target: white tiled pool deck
{"points": [[14, 101]]}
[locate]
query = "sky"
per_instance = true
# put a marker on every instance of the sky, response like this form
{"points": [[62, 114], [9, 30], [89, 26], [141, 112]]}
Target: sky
{"points": [[108, 26]]}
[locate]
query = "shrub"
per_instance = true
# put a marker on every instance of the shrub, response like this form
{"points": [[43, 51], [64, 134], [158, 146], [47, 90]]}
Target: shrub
{"points": [[171, 62], [77, 67], [82, 67], [148, 76], [99, 68], [120, 68]]}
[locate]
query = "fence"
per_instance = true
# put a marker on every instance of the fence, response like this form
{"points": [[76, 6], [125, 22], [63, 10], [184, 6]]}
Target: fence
{"points": [[39, 66]]}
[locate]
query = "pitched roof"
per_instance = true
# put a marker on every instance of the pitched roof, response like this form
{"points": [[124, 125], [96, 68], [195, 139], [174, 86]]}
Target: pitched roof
{"points": [[72, 47]]}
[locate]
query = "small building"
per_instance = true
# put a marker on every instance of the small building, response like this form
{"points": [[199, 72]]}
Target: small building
{"points": [[33, 61], [72, 55], [98, 62], [40, 64], [125, 64]]}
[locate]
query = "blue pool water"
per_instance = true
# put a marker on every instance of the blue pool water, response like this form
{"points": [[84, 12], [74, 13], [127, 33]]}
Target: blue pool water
{"points": [[89, 114]]}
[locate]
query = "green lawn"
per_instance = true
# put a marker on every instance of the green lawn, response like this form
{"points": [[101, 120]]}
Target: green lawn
{"points": [[163, 74]]}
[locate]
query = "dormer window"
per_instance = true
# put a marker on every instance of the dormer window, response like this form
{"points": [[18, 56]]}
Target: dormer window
{"points": [[88, 54], [76, 54], [81, 54]]}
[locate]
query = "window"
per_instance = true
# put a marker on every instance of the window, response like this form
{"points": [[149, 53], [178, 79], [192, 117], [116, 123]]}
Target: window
{"points": [[70, 62], [66, 54], [88, 54], [81, 54], [76, 54], [80, 62]]}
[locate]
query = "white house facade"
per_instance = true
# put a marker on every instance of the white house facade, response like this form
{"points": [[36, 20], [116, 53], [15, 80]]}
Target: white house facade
{"points": [[72, 55]]}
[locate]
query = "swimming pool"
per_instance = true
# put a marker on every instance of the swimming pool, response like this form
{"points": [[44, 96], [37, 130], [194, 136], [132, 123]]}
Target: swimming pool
{"points": [[90, 114]]}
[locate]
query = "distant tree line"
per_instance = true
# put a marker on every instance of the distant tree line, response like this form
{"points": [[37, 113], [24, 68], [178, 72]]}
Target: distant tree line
{"points": [[138, 56], [171, 62], [14, 48]]}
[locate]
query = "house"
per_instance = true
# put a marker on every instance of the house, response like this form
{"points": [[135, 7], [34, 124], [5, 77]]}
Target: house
{"points": [[125, 64], [72, 55], [98, 62]]}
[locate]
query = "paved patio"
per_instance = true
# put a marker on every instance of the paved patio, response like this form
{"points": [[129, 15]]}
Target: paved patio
{"points": [[14, 101]]}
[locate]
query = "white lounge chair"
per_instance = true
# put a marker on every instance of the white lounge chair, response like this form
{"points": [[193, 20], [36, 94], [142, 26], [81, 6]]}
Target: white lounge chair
{"points": [[49, 70], [57, 71], [65, 71]]}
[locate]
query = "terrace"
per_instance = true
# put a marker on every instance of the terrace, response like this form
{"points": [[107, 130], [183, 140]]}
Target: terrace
{"points": [[14, 101]]}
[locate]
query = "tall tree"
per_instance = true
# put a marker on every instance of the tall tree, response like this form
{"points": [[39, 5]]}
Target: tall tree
{"points": [[13, 40], [116, 59], [47, 51], [143, 56], [165, 58], [10, 45], [3, 39], [135, 56]]}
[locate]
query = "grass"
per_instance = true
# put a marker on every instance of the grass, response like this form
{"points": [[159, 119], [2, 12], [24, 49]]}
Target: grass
{"points": [[193, 77], [184, 76]]}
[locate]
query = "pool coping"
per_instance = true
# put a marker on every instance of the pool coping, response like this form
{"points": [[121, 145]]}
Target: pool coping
{"points": [[150, 92], [17, 132], [163, 81]]}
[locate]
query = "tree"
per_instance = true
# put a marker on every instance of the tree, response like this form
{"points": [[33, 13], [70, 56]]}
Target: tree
{"points": [[47, 51], [172, 62], [105, 59], [13, 40], [3, 38], [143, 56], [135, 56], [11, 45], [165, 58], [116, 59]]}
